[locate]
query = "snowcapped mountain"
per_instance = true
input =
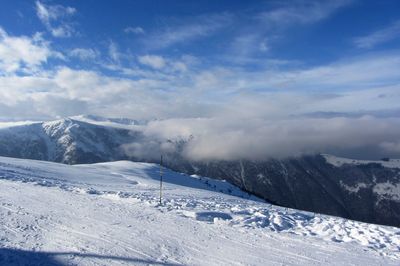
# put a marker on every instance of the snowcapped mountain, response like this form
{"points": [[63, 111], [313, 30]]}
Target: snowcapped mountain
{"points": [[361, 190], [67, 141], [109, 214]]}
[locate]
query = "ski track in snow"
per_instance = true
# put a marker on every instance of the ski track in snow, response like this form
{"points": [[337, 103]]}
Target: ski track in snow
{"points": [[109, 214]]}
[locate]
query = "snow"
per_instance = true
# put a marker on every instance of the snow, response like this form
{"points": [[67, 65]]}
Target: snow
{"points": [[388, 190], [17, 123], [339, 161], [108, 214], [107, 122], [356, 188], [384, 190]]}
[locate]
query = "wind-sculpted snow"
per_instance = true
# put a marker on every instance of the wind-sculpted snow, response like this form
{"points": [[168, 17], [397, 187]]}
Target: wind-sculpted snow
{"points": [[109, 213]]}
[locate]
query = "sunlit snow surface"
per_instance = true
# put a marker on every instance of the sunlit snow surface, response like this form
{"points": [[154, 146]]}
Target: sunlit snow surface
{"points": [[109, 214]]}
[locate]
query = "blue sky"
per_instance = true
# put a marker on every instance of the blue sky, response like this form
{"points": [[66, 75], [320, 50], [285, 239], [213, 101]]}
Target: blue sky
{"points": [[256, 62], [234, 33]]}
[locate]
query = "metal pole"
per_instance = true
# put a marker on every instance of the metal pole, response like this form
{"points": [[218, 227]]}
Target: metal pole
{"points": [[161, 179]]}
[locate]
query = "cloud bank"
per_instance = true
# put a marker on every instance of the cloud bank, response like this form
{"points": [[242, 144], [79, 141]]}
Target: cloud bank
{"points": [[259, 139]]}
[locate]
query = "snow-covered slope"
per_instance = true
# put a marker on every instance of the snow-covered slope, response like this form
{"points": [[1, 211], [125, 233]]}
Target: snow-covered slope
{"points": [[109, 214]]}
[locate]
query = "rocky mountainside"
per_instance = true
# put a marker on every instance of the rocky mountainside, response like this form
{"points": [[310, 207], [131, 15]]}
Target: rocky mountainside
{"points": [[368, 191]]}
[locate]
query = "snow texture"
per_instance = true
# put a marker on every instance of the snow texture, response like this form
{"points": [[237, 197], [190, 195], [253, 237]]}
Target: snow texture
{"points": [[109, 214]]}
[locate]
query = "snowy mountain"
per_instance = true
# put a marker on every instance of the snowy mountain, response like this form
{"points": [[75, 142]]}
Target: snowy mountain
{"points": [[67, 141], [361, 190], [109, 214]]}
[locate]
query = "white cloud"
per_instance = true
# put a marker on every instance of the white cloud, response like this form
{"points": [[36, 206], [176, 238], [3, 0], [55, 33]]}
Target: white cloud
{"points": [[22, 53], [179, 66], [188, 30], [264, 46], [351, 74], [113, 52], [135, 30], [87, 85], [227, 138], [361, 72], [391, 146], [363, 83], [246, 45], [84, 54], [378, 37], [166, 67], [154, 61], [267, 27], [53, 105], [301, 12], [53, 16]]}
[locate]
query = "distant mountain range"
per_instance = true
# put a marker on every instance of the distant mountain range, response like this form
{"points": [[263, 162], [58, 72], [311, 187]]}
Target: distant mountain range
{"points": [[368, 191]]}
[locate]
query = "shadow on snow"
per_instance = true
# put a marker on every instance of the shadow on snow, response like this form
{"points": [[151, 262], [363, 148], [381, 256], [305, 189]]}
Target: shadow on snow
{"points": [[11, 257]]}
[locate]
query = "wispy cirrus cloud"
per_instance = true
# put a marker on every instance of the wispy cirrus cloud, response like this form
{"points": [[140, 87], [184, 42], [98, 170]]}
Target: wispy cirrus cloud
{"points": [[264, 29], [135, 30], [378, 37], [301, 12], [53, 18], [187, 30], [113, 51]]}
